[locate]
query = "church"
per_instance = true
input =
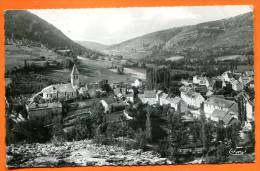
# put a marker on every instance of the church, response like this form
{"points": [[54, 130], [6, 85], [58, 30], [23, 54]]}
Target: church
{"points": [[63, 91]]}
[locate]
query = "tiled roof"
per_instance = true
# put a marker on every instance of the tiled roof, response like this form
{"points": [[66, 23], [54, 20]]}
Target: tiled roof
{"points": [[218, 113], [149, 94], [192, 94], [58, 88], [216, 101], [34, 106], [175, 100], [164, 95], [226, 117]]}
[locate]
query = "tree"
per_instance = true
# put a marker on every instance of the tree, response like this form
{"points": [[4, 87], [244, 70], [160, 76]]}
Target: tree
{"points": [[148, 126], [165, 109], [221, 152], [98, 112], [241, 109], [120, 70], [233, 134], [25, 64], [67, 63], [57, 131], [140, 138]]}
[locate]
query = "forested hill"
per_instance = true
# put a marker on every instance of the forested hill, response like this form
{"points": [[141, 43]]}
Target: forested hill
{"points": [[211, 39], [22, 25], [93, 45]]}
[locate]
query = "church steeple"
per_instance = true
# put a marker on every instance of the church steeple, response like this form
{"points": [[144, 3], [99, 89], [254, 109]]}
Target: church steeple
{"points": [[74, 76]]}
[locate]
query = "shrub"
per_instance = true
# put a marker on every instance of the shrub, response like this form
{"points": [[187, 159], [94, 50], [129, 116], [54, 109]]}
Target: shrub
{"points": [[140, 138]]}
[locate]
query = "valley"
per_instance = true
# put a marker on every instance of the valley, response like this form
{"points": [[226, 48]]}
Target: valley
{"points": [[176, 96]]}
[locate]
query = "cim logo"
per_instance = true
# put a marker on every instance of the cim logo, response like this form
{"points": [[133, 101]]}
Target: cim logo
{"points": [[237, 152]]}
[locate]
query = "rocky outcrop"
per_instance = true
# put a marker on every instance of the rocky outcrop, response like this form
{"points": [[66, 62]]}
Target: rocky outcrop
{"points": [[78, 153]]}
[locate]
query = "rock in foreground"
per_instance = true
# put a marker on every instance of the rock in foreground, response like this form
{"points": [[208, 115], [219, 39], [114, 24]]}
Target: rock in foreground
{"points": [[78, 153]]}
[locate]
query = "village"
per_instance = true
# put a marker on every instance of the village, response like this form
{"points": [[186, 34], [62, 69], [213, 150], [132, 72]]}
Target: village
{"points": [[172, 94], [196, 101]]}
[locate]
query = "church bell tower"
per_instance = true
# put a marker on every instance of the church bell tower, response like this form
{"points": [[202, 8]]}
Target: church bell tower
{"points": [[74, 77]]}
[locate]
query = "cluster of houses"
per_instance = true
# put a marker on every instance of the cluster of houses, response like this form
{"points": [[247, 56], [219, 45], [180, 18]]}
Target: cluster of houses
{"points": [[48, 100], [238, 80], [217, 107], [196, 96]]}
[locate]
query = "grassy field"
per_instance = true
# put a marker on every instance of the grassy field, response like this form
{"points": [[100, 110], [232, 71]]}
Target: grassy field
{"points": [[16, 55], [96, 70], [32, 82]]}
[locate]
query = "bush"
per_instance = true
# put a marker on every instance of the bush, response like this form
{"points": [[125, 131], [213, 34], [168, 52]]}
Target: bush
{"points": [[29, 131], [83, 129], [58, 136], [140, 138]]}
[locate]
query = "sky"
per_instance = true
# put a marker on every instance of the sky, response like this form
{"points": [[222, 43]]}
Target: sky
{"points": [[114, 25]]}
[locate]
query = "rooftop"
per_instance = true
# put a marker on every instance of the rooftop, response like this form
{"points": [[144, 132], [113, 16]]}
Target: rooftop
{"points": [[226, 117], [164, 95], [175, 100], [192, 94], [148, 94], [74, 70], [58, 88], [36, 106], [217, 101]]}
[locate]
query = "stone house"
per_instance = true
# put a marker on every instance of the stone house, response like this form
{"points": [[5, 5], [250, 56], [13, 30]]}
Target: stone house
{"points": [[41, 112], [149, 97], [192, 99], [227, 76], [201, 81], [237, 85], [63, 91], [218, 103], [226, 117], [130, 97]]}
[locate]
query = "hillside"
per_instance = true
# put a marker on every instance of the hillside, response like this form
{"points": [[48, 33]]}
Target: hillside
{"points": [[23, 25], [92, 45], [211, 39]]}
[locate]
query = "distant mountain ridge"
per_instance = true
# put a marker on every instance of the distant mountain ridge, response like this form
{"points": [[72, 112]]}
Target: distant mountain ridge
{"points": [[92, 45], [215, 38], [21, 24]]}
